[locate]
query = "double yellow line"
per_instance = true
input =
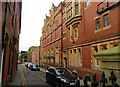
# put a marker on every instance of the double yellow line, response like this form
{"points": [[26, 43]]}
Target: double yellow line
{"points": [[24, 83]]}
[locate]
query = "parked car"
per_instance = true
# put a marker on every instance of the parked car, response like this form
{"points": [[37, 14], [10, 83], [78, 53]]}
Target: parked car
{"points": [[34, 67], [26, 64], [61, 77], [29, 64]]}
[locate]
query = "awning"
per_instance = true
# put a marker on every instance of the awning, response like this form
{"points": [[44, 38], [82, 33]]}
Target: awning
{"points": [[109, 54]]}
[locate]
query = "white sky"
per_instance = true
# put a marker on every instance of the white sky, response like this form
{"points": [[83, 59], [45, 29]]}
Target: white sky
{"points": [[33, 14]]}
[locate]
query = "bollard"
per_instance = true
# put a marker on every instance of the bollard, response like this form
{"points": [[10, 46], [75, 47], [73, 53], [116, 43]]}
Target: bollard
{"points": [[94, 82], [103, 80]]}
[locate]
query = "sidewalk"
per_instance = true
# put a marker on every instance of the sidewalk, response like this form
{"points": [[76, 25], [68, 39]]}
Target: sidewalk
{"points": [[17, 79]]}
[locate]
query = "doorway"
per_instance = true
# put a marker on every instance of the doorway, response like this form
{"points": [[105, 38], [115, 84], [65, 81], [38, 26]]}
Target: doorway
{"points": [[65, 62]]}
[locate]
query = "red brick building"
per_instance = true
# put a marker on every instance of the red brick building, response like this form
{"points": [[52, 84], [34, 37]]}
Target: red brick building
{"points": [[51, 41], [87, 28], [87, 34], [35, 56], [11, 25]]}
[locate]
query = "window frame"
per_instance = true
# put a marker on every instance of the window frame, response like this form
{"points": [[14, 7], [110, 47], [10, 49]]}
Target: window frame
{"points": [[97, 21], [76, 7], [97, 63], [106, 20], [80, 56]]}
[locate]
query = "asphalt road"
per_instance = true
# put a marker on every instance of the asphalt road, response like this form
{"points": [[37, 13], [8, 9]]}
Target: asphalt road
{"points": [[31, 78]]}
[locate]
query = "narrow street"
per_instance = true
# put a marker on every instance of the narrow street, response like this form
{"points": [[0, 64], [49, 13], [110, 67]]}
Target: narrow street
{"points": [[26, 77], [77, 41]]}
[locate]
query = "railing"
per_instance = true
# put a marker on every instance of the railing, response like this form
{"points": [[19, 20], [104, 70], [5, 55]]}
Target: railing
{"points": [[103, 81]]}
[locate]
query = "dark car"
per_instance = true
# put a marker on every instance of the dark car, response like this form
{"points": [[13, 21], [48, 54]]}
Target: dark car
{"points": [[61, 77], [34, 67]]}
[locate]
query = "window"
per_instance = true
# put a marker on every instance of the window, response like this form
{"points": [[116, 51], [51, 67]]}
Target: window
{"points": [[96, 62], [106, 20], [57, 23], [80, 56], [76, 7], [95, 49], [74, 57], [56, 49], [70, 57], [98, 24], [87, 2], [69, 11], [75, 33], [104, 47]]}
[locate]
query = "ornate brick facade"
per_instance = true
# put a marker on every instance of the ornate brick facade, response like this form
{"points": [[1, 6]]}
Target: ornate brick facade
{"points": [[86, 28]]}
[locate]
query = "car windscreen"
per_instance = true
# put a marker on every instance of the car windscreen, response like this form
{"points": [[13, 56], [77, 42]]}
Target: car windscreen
{"points": [[62, 71]]}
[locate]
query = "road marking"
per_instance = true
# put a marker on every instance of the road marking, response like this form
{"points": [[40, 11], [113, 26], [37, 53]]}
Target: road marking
{"points": [[24, 83]]}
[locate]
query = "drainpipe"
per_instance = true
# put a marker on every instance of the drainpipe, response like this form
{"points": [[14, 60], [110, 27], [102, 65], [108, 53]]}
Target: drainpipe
{"points": [[83, 14], [61, 36], [3, 45], [3, 26]]}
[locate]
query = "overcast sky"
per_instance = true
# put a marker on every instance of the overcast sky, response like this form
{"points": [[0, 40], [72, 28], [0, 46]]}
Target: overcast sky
{"points": [[33, 14]]}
